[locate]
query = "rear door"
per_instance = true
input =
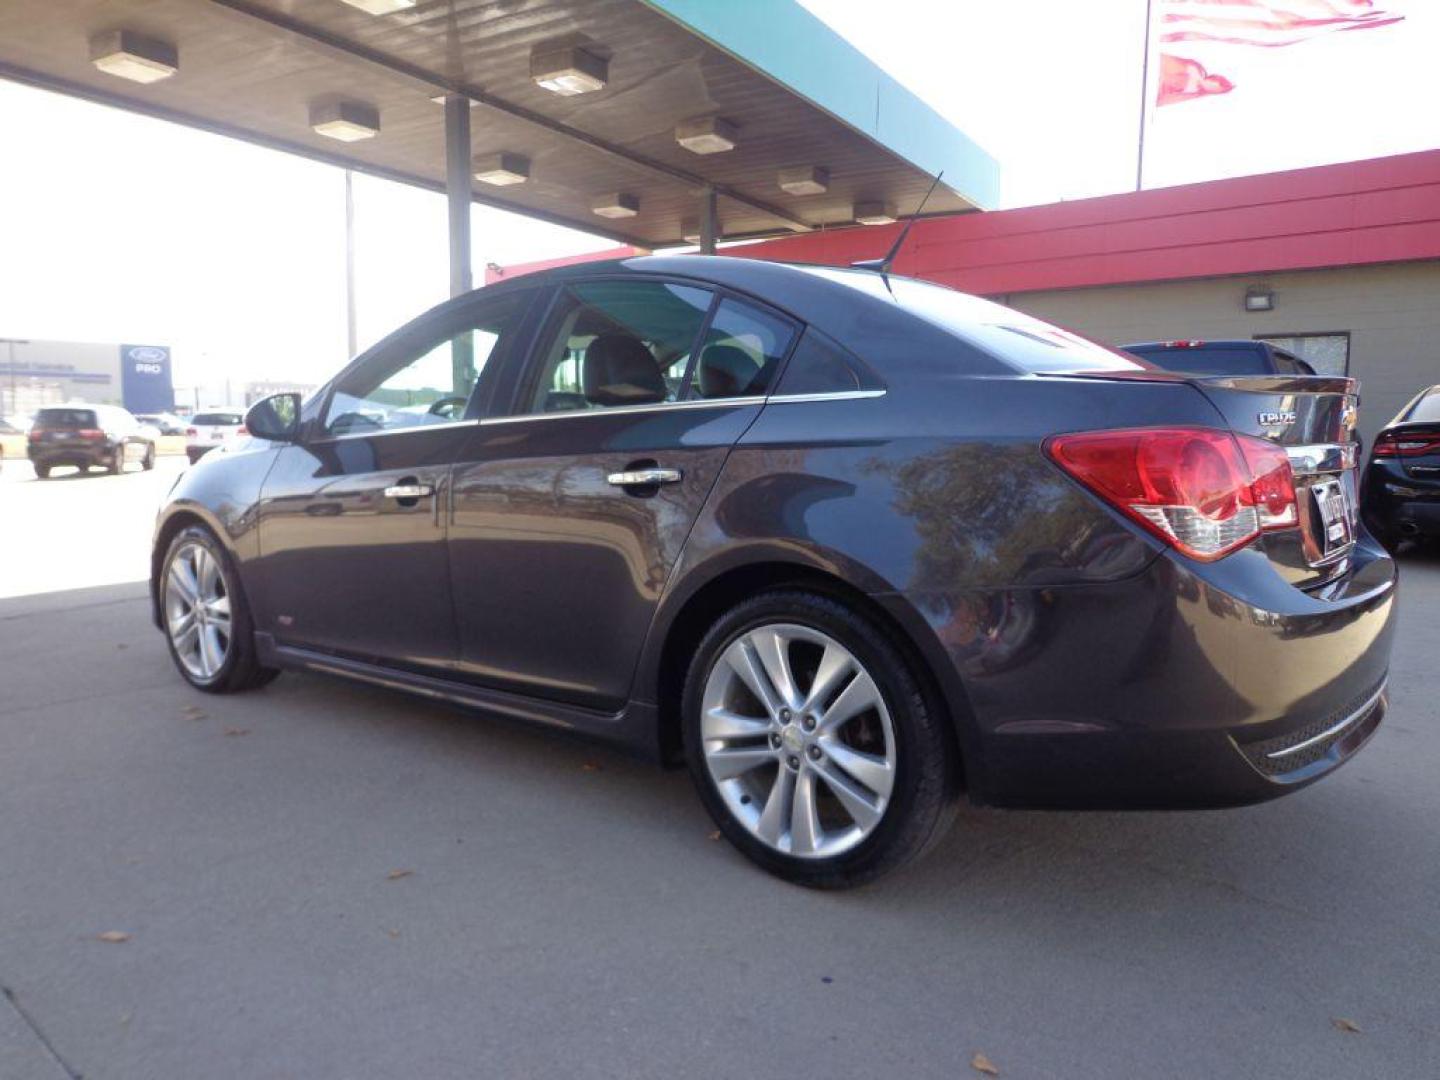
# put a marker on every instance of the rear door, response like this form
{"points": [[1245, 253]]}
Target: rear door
{"points": [[574, 502], [353, 519]]}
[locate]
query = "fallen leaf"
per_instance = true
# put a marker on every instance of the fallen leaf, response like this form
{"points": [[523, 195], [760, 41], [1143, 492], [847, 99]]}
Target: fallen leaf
{"points": [[590, 766], [113, 936], [193, 712], [1347, 1026], [982, 1064], [393, 933], [396, 875], [715, 835], [237, 731]]}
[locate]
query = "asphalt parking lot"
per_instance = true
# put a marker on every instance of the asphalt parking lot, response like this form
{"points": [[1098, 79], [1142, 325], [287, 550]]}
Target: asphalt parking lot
{"points": [[321, 880]]}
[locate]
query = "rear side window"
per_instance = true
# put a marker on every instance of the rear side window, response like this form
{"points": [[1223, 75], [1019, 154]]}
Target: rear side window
{"points": [[223, 419], [742, 351], [821, 366], [1427, 409], [66, 418], [1211, 360]]}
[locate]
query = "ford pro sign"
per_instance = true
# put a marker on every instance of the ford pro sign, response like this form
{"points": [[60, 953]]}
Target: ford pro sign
{"points": [[145, 378]]}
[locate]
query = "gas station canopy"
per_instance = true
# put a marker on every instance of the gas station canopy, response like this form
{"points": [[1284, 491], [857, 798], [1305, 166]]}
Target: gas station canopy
{"points": [[619, 117]]}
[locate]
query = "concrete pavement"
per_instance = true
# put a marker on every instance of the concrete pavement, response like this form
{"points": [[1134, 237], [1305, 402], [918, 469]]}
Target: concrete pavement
{"points": [[321, 880]]}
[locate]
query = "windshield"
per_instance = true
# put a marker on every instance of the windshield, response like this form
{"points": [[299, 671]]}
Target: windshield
{"points": [[1024, 341], [1211, 360]]}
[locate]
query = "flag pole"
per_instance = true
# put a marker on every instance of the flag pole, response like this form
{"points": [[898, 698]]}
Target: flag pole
{"points": [[1144, 98]]}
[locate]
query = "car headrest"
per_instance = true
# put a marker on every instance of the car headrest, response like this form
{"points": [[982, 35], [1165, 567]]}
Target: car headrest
{"points": [[726, 371], [619, 370]]}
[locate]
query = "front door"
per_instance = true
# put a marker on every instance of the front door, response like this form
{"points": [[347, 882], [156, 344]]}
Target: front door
{"points": [[570, 511], [353, 522]]}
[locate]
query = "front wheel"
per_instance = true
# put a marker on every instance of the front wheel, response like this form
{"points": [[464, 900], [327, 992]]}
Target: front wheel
{"points": [[206, 619], [148, 461], [116, 465], [812, 744]]}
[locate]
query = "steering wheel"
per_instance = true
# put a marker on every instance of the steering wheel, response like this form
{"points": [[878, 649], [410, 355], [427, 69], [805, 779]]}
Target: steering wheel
{"points": [[447, 407]]}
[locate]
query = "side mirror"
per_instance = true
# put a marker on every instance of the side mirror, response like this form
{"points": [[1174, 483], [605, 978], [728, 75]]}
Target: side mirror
{"points": [[276, 418]]}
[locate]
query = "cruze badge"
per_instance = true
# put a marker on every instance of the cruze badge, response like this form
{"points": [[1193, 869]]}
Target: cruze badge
{"points": [[1283, 417]]}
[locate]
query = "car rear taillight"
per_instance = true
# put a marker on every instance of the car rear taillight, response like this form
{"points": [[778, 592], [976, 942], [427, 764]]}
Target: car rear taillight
{"points": [[190, 433], [241, 430], [1185, 344], [1398, 444], [90, 433], [34, 435], [1204, 492]]}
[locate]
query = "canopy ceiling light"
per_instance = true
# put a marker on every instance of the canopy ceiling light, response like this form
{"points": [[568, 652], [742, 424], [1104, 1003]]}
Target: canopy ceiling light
{"points": [[134, 56], [502, 169], [1259, 298], [619, 204], [348, 121], [568, 71], [804, 180], [380, 7], [874, 213], [706, 135]]}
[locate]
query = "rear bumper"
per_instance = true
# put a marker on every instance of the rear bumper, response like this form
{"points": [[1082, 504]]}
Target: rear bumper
{"points": [[1184, 686], [90, 454], [1399, 504]]}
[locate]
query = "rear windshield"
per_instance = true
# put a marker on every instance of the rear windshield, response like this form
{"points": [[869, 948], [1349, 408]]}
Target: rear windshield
{"points": [[224, 419], [1208, 360], [65, 418], [1427, 409], [1024, 341]]}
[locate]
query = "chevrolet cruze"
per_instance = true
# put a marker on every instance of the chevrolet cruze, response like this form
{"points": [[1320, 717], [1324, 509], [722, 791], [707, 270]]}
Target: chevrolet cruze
{"points": [[845, 544]]}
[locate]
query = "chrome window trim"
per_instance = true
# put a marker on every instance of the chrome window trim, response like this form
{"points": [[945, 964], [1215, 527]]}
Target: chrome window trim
{"points": [[382, 432], [830, 395], [696, 403]]}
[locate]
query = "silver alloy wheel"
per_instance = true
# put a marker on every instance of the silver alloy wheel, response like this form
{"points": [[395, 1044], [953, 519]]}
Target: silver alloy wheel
{"points": [[798, 739], [197, 610]]}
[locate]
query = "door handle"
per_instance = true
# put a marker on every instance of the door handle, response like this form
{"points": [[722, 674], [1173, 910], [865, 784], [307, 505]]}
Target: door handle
{"points": [[409, 491], [644, 477]]}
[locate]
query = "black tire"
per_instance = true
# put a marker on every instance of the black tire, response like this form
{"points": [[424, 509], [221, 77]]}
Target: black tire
{"points": [[241, 669], [924, 797], [42, 472], [148, 461], [116, 465]]}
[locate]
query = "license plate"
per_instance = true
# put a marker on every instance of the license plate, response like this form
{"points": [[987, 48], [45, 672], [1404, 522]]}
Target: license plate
{"points": [[1333, 504]]}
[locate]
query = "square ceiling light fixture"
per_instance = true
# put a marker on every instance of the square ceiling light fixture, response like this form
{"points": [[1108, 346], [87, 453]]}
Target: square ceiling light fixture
{"points": [[1259, 298], [874, 213], [502, 169], [348, 121], [380, 7], [134, 56], [804, 180], [619, 204], [568, 71], [706, 135]]}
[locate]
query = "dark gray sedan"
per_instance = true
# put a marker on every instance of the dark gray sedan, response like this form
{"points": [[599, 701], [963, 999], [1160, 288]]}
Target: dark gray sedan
{"points": [[847, 545]]}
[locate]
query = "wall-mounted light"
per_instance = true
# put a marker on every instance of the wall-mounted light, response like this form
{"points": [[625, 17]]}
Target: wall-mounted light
{"points": [[569, 71], [380, 7], [134, 56], [348, 121], [1259, 298], [619, 204], [874, 213], [706, 135], [804, 180], [502, 169]]}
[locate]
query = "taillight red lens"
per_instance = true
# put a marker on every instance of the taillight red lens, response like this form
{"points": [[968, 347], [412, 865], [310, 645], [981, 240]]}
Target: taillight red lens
{"points": [[1398, 444], [241, 430], [35, 434], [1204, 492], [90, 433], [190, 433]]}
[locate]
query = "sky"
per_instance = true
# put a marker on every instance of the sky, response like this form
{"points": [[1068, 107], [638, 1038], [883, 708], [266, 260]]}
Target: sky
{"points": [[120, 228]]}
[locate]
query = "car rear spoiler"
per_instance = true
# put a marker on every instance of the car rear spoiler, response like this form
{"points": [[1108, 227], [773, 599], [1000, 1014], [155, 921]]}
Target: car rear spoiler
{"points": [[1281, 384]]}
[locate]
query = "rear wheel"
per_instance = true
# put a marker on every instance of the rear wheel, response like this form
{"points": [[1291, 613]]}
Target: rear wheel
{"points": [[148, 461], [812, 744], [42, 472], [207, 621]]}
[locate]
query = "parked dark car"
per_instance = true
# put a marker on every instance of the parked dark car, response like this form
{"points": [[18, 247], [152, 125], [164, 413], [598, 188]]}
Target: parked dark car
{"points": [[1234, 357], [1401, 497], [88, 436], [847, 545]]}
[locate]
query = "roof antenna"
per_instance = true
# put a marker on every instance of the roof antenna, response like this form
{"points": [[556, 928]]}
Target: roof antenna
{"points": [[883, 265]]}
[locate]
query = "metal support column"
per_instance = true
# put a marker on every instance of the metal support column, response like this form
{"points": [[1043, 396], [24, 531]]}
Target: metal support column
{"points": [[352, 345], [709, 222], [458, 195]]}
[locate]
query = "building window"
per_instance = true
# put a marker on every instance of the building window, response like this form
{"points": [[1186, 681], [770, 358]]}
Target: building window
{"points": [[1328, 354]]}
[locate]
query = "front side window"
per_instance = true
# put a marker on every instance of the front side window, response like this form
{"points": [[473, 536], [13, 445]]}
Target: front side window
{"points": [[422, 383], [617, 343], [743, 349]]}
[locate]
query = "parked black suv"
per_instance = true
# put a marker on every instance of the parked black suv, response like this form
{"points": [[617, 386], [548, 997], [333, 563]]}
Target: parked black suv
{"points": [[88, 436], [1232, 357], [845, 544], [1401, 497]]}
